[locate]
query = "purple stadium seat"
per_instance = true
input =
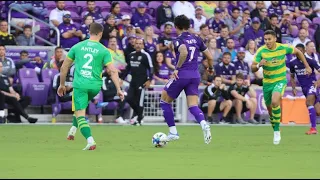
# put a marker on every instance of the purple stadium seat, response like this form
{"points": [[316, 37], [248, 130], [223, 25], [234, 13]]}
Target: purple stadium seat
{"points": [[103, 5], [48, 74], [295, 32], [38, 93], [75, 17], [156, 30], [71, 6], [152, 7], [124, 7], [104, 14], [134, 5], [316, 20], [49, 5], [27, 76]]}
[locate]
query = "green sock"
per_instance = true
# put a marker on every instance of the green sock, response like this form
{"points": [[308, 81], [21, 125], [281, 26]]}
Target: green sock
{"points": [[271, 121], [276, 114], [74, 121], [84, 127]]}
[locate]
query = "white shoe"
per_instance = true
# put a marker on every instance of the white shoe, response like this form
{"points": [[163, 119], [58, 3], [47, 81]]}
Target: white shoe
{"points": [[172, 137], [71, 134], [90, 146], [207, 134], [276, 137], [120, 120], [133, 120]]}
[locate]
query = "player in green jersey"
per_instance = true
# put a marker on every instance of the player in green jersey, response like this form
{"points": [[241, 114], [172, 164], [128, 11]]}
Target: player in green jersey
{"points": [[272, 58], [89, 58]]}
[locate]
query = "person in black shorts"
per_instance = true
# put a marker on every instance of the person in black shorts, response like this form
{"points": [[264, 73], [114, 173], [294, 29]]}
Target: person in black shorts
{"points": [[216, 99], [242, 104]]}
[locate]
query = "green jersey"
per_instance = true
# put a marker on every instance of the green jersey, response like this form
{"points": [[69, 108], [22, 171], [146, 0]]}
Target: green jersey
{"points": [[275, 68], [89, 58]]}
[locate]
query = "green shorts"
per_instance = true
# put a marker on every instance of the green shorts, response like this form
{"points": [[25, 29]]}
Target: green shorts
{"points": [[81, 98], [269, 89]]}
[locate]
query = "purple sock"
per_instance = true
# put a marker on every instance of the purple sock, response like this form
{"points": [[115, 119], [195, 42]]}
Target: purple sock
{"points": [[313, 117], [197, 113], [167, 113]]}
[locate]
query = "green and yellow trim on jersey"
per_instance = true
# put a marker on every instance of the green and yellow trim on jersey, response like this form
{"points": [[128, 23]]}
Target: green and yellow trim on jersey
{"points": [[70, 58]]}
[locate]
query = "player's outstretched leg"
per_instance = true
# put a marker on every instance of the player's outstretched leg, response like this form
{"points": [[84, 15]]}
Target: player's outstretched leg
{"points": [[313, 119], [169, 117], [73, 129], [276, 114], [198, 114], [86, 132]]}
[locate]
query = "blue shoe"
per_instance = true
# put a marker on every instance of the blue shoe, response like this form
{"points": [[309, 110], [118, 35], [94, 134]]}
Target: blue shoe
{"points": [[101, 104]]}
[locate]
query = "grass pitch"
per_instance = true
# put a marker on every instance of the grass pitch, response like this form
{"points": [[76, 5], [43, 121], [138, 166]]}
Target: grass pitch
{"points": [[127, 152]]}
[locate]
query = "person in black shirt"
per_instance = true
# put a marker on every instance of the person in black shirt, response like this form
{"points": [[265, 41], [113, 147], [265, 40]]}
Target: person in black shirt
{"points": [[274, 22], [241, 104], [166, 39], [212, 99], [164, 13], [9, 96], [141, 68]]}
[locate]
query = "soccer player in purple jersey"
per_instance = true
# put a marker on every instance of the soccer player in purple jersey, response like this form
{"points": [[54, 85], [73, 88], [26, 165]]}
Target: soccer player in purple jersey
{"points": [[185, 77], [309, 85]]}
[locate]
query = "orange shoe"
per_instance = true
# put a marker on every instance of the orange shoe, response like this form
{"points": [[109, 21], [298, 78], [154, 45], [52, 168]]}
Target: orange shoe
{"points": [[312, 131]]}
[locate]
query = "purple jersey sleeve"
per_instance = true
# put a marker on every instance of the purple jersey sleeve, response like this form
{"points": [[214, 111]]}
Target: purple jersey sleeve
{"points": [[201, 44]]}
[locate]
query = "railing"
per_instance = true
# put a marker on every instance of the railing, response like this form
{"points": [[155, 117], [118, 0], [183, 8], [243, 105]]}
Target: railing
{"points": [[34, 19]]}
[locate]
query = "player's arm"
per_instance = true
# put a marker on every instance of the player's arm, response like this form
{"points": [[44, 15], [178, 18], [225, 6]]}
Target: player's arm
{"points": [[183, 55], [114, 76], [64, 70], [303, 59], [209, 57]]}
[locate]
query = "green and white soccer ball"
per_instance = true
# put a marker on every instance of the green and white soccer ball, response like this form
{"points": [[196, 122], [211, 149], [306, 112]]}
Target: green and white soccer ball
{"points": [[159, 139]]}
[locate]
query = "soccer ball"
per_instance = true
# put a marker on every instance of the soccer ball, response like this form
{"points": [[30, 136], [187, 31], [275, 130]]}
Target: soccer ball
{"points": [[159, 139]]}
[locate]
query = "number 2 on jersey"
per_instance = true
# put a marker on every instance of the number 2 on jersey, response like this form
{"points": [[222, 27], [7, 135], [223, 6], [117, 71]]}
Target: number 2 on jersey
{"points": [[192, 49], [87, 64]]}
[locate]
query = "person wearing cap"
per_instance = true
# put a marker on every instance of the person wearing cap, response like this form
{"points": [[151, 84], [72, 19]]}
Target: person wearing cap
{"points": [[254, 33], [216, 23], [208, 8], [199, 19], [274, 26], [236, 25], [241, 66], [164, 13], [125, 27], [91, 10], [275, 8], [56, 15], [140, 18], [183, 7], [70, 34]]}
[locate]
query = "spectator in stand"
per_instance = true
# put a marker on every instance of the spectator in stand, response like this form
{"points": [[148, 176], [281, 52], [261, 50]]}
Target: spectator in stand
{"points": [[70, 33], [130, 47], [310, 31], [226, 69], [286, 26], [246, 19], [37, 65], [8, 66], [264, 20], [93, 12], [275, 8], [224, 35], [5, 37], [256, 11], [224, 10], [216, 23], [124, 25], [140, 18], [166, 39], [233, 4], [115, 10], [113, 33], [56, 15], [305, 8], [208, 7], [183, 7], [235, 24], [274, 22], [311, 51], [151, 45], [88, 19], [117, 54], [251, 49], [204, 33], [301, 39], [164, 14], [56, 60], [292, 6], [161, 70], [254, 33], [129, 32], [26, 38], [230, 49], [108, 27], [316, 12], [199, 19], [216, 53], [241, 66], [171, 59], [317, 39], [206, 76]]}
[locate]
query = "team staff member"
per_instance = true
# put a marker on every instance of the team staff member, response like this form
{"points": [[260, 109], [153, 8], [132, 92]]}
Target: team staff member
{"points": [[9, 96], [141, 69]]}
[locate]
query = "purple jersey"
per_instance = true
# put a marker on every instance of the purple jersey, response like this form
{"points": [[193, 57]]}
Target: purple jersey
{"points": [[68, 42], [257, 36], [284, 29], [151, 48], [97, 16], [194, 45], [291, 5], [164, 71], [226, 71], [141, 21], [248, 24], [215, 25], [169, 54], [275, 10], [242, 67], [231, 6], [85, 30]]}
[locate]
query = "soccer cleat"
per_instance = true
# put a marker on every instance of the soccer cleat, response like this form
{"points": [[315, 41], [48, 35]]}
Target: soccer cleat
{"points": [[120, 120], [101, 104], [71, 135], [90, 146], [241, 121], [312, 131], [32, 120], [253, 121], [172, 137], [276, 137], [207, 134], [133, 120]]}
